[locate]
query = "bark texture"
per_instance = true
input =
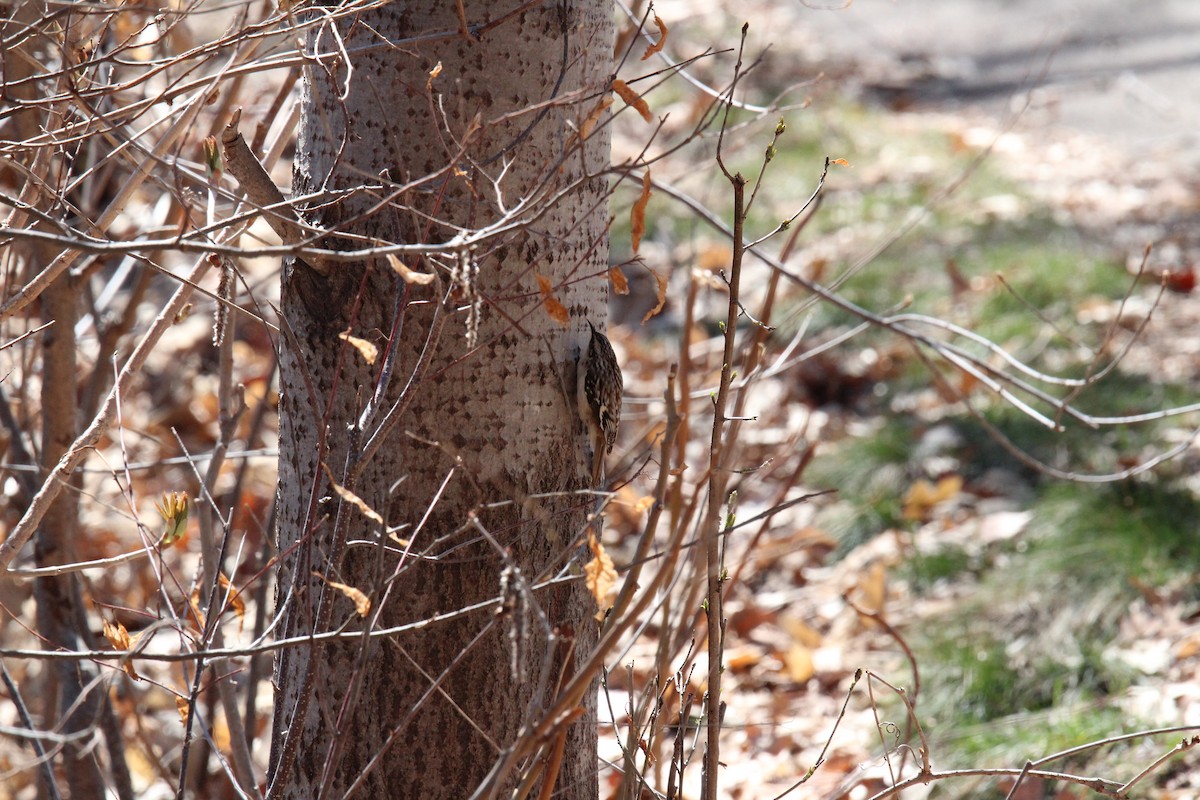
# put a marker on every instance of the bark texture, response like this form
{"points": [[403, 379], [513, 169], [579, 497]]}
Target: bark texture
{"points": [[488, 438]]}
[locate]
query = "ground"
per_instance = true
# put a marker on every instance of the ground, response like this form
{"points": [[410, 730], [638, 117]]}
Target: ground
{"points": [[1042, 616]]}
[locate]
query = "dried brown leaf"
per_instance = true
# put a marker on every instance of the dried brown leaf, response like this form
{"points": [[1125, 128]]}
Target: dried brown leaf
{"points": [[619, 282], [116, 635], [367, 350], [662, 39], [197, 616], [742, 660], [872, 588], [632, 98], [922, 496], [235, 600], [362, 603], [353, 499], [798, 661], [637, 215], [600, 576], [661, 289], [593, 117], [409, 275], [557, 311]]}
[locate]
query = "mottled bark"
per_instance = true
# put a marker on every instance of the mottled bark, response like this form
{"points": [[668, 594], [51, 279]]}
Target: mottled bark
{"points": [[490, 439]]}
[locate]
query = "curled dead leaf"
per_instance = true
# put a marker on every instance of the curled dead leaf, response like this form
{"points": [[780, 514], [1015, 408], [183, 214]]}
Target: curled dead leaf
{"points": [[661, 290], [351, 498], [872, 588], [637, 215], [120, 639], [195, 616], [362, 603], [409, 275], [632, 98], [593, 117], [662, 39], [367, 350], [600, 576], [620, 283], [554, 307], [116, 635], [235, 600]]}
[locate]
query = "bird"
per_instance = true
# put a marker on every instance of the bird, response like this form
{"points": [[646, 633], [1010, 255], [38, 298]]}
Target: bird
{"points": [[598, 390]]}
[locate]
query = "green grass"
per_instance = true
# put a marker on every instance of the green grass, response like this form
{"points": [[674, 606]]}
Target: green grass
{"points": [[923, 571], [1117, 534], [870, 475], [1022, 668], [1009, 742], [1078, 447]]}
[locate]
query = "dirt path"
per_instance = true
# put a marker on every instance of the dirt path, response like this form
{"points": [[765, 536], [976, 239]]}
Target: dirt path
{"points": [[1103, 97], [1126, 72]]}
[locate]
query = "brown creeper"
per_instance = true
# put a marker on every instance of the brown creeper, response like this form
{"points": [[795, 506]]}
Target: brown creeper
{"points": [[598, 393]]}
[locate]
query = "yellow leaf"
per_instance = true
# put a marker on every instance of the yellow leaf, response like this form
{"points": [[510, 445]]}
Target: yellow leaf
{"points": [[841, 162], [637, 215], [367, 350], [181, 703], [408, 275], [742, 660], [619, 282], [174, 510], [662, 39], [632, 98], [802, 632], [872, 586], [922, 496], [661, 289], [353, 499], [643, 503], [798, 661], [220, 734], [713, 257], [557, 311], [600, 576], [142, 767], [212, 157], [362, 603]]}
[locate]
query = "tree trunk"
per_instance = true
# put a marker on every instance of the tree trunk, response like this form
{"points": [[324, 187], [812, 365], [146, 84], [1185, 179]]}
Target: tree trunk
{"points": [[487, 439]]}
